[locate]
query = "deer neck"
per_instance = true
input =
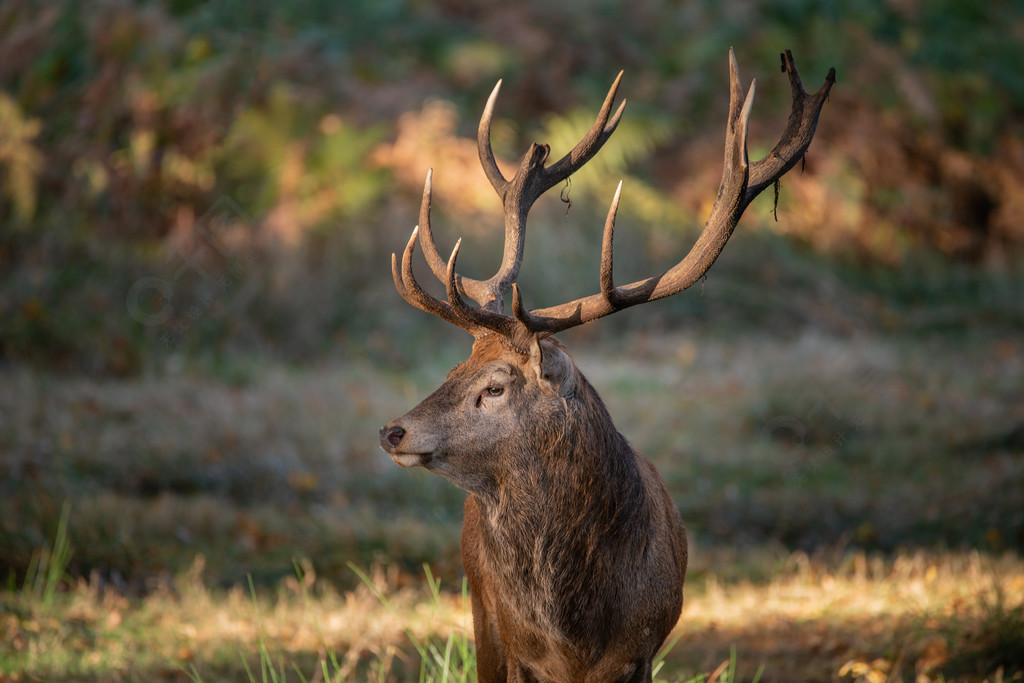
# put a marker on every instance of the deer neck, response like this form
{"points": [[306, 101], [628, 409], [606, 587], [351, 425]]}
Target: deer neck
{"points": [[580, 480]]}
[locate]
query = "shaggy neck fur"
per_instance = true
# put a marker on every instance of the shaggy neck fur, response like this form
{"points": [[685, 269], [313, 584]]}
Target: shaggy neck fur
{"points": [[573, 504]]}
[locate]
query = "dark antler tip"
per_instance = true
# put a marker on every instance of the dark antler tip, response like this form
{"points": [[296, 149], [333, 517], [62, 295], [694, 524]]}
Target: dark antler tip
{"points": [[788, 64], [537, 155]]}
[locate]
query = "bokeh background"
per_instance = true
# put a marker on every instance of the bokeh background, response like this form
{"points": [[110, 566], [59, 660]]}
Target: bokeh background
{"points": [[199, 335]]}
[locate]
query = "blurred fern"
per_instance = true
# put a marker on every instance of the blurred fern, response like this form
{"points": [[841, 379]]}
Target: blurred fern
{"points": [[20, 160], [635, 139], [279, 153]]}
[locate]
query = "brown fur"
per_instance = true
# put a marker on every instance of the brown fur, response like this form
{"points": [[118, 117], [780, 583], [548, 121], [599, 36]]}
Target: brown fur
{"points": [[573, 548]]}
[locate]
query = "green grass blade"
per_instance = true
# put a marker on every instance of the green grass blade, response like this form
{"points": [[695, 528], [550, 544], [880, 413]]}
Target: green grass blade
{"points": [[60, 557]]}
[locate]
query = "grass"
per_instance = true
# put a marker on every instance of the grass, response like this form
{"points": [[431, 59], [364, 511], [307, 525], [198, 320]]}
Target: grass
{"points": [[851, 489], [878, 441], [928, 616], [47, 568]]}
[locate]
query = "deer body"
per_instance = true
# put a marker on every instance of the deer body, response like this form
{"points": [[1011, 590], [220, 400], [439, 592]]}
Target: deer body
{"points": [[574, 550]]}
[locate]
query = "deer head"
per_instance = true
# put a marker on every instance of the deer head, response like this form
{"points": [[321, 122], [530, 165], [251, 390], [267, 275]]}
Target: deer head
{"points": [[524, 330], [483, 402]]}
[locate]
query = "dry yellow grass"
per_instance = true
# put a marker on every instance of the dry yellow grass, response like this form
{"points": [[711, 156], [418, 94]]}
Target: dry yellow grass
{"points": [[911, 618]]}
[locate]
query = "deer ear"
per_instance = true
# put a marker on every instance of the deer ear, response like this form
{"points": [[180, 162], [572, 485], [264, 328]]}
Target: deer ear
{"points": [[553, 367]]}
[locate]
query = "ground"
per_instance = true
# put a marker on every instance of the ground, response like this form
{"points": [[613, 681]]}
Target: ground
{"points": [[850, 502]]}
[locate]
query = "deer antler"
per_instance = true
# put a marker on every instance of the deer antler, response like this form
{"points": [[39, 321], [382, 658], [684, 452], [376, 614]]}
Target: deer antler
{"points": [[741, 183], [517, 196]]}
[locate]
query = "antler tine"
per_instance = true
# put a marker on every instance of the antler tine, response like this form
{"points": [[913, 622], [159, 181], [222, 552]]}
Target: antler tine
{"points": [[482, 291], [476, 321], [449, 284], [486, 293], [611, 295], [586, 148], [410, 290], [430, 252], [734, 195], [800, 128], [480, 318], [477, 290], [483, 143], [573, 312]]}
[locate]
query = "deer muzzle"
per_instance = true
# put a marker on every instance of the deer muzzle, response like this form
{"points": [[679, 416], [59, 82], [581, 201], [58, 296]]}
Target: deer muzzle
{"points": [[391, 441]]}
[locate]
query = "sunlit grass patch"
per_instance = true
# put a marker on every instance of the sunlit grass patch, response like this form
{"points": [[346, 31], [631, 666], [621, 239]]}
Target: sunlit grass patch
{"points": [[942, 616], [921, 612]]}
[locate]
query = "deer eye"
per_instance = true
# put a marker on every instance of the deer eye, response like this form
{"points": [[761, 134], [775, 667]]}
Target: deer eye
{"points": [[489, 392]]}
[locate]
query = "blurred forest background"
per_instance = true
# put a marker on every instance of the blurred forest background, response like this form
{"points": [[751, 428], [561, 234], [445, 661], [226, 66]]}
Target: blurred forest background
{"points": [[129, 128], [199, 334]]}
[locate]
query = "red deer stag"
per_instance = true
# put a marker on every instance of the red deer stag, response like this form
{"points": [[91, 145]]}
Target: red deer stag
{"points": [[573, 548]]}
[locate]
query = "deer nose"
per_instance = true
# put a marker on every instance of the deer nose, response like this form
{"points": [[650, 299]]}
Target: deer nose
{"points": [[391, 437]]}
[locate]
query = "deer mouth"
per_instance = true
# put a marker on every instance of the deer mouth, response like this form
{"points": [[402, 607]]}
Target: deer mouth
{"points": [[411, 459]]}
